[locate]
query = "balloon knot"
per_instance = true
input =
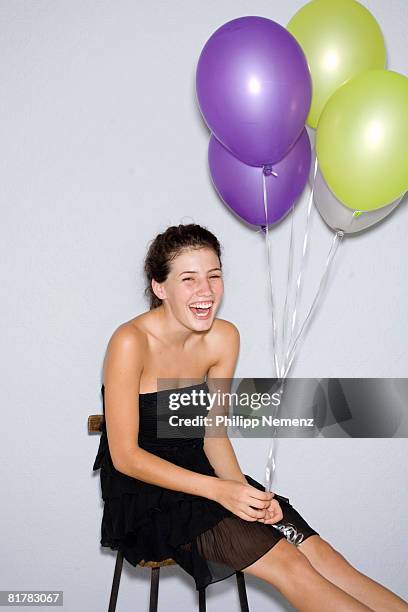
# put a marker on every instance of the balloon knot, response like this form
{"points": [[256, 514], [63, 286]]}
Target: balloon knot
{"points": [[268, 170], [263, 228]]}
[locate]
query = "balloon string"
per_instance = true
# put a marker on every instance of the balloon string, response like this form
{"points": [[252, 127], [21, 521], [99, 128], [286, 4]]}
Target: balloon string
{"points": [[291, 353], [288, 283], [268, 257], [339, 234], [271, 463], [301, 270]]}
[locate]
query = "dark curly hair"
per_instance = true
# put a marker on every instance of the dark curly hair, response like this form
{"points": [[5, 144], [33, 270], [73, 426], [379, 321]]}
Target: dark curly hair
{"points": [[166, 246]]}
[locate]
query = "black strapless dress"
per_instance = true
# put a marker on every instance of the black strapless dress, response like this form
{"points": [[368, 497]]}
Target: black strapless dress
{"points": [[149, 522]]}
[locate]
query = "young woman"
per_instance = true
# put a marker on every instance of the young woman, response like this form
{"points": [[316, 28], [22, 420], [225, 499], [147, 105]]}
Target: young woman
{"points": [[187, 498]]}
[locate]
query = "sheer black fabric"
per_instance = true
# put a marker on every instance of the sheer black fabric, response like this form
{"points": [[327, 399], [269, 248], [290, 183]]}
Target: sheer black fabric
{"points": [[153, 523]]}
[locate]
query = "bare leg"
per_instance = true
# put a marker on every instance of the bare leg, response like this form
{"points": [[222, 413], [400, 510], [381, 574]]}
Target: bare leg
{"points": [[333, 566], [293, 575]]}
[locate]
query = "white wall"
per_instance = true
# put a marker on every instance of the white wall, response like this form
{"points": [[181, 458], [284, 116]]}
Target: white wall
{"points": [[102, 146]]}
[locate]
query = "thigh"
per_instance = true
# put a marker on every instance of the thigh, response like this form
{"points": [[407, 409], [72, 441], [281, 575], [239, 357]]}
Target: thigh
{"points": [[282, 564], [236, 542]]}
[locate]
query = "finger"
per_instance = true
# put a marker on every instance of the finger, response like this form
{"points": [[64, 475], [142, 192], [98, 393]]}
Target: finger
{"points": [[253, 512], [274, 516], [245, 516], [272, 513], [258, 503], [262, 495], [258, 493]]}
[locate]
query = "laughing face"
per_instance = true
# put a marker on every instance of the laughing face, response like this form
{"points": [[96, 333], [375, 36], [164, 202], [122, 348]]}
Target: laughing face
{"points": [[194, 288]]}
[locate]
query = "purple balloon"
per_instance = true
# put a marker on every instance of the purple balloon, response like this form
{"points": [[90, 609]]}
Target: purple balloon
{"points": [[254, 88], [240, 186]]}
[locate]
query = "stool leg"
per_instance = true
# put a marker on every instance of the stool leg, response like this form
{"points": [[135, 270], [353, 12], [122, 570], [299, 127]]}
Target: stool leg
{"points": [[242, 592], [116, 581], [201, 600], [154, 589]]}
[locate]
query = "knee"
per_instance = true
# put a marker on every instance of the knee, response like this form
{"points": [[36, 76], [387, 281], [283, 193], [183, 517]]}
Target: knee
{"points": [[283, 564], [293, 563], [319, 552]]}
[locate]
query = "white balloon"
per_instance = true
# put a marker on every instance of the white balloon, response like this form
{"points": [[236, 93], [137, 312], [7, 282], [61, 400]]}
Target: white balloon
{"points": [[312, 137], [340, 217]]}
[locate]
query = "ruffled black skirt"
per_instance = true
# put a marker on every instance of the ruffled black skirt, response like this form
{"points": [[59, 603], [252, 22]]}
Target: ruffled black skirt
{"points": [[152, 523]]}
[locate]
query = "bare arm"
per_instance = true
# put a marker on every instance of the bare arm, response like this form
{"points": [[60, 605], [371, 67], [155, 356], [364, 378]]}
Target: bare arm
{"points": [[219, 450], [122, 371]]}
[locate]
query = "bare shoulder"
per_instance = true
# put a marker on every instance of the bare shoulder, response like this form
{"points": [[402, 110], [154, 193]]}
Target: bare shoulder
{"points": [[126, 351], [223, 335], [223, 348], [128, 334], [224, 330]]}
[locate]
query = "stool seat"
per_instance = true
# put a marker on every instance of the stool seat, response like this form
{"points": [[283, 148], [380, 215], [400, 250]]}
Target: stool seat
{"points": [[143, 563]]}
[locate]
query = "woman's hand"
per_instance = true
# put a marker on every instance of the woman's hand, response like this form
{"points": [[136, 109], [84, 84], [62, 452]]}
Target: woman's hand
{"points": [[273, 513], [244, 500]]}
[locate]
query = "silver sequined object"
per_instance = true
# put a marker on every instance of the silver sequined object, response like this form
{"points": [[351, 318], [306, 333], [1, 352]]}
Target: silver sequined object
{"points": [[290, 532]]}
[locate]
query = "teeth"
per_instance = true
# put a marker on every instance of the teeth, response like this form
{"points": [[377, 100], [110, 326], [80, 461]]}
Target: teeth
{"points": [[202, 305]]}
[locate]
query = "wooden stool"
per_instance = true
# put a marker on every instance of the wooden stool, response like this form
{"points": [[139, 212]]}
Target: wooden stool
{"points": [[95, 422], [154, 585]]}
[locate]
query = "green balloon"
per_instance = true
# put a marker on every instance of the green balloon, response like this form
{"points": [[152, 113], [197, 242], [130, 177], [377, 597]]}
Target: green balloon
{"points": [[340, 39], [362, 140]]}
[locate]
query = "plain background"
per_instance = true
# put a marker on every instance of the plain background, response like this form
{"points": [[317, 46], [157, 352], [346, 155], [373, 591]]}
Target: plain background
{"points": [[102, 147]]}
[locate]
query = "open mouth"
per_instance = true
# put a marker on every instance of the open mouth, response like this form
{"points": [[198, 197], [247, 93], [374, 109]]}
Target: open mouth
{"points": [[201, 310]]}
